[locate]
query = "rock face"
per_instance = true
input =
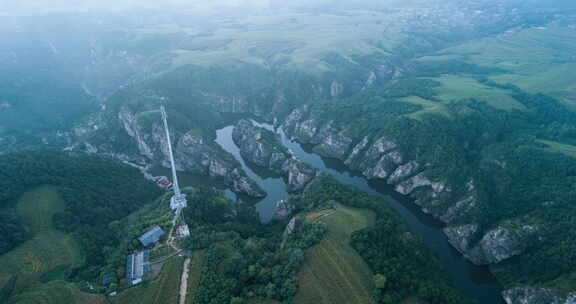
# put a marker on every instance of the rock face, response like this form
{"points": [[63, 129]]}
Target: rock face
{"points": [[146, 144], [495, 246], [528, 295], [461, 237], [299, 174], [240, 183], [283, 210], [263, 148], [259, 146], [379, 157]]}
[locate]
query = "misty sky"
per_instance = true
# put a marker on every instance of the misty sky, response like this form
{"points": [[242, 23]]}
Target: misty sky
{"points": [[28, 7], [38, 6]]}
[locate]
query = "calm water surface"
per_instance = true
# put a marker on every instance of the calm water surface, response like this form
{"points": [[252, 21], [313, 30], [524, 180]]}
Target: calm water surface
{"points": [[473, 281]]}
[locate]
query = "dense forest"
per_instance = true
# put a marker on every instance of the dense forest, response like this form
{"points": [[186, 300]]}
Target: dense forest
{"points": [[97, 191], [519, 158], [408, 267], [245, 259], [248, 260]]}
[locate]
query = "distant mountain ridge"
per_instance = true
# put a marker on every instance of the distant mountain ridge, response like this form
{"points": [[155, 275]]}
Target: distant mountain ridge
{"points": [[467, 107]]}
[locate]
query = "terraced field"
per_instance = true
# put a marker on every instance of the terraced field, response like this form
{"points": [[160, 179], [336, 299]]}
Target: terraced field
{"points": [[49, 251], [333, 271]]}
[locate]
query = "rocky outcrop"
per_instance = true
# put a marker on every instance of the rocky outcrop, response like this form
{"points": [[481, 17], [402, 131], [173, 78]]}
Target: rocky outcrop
{"points": [[499, 244], [290, 228], [420, 180], [378, 156], [240, 183], [403, 172], [263, 148], [495, 246], [259, 146], [461, 237], [299, 174], [332, 143], [283, 210], [529, 295], [192, 152]]}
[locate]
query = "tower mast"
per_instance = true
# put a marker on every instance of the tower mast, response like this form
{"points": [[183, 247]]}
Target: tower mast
{"points": [[172, 164]]}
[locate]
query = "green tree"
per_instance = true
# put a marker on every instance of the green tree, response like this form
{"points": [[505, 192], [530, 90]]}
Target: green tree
{"points": [[380, 281]]}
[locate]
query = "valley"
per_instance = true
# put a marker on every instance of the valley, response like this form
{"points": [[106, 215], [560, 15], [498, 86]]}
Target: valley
{"points": [[450, 125]]}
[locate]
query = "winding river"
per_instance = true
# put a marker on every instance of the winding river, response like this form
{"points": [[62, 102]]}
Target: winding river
{"points": [[473, 281], [273, 184]]}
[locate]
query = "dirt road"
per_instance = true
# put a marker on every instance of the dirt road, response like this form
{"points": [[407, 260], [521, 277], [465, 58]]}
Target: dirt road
{"points": [[184, 281]]}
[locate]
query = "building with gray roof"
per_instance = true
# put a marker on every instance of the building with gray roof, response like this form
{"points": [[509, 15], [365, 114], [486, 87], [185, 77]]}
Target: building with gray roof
{"points": [[137, 266], [152, 236]]}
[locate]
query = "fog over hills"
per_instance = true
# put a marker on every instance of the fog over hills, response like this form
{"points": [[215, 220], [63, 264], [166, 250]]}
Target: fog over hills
{"points": [[453, 120]]}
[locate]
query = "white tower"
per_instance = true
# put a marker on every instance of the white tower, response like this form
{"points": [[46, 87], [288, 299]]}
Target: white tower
{"points": [[178, 201]]}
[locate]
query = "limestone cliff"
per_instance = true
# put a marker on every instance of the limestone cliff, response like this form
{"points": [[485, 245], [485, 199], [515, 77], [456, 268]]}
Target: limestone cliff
{"points": [[379, 157], [528, 295], [263, 148], [144, 142]]}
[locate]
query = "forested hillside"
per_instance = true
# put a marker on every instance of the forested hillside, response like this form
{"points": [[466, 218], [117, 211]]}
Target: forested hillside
{"points": [[467, 107], [469, 162], [96, 191]]}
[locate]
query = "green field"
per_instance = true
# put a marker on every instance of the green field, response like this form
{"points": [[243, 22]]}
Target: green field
{"points": [[49, 251], [333, 272], [559, 147], [460, 87], [298, 40], [428, 107], [194, 275], [535, 59], [164, 289], [58, 292]]}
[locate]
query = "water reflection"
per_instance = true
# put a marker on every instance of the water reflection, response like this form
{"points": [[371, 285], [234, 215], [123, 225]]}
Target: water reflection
{"points": [[473, 281], [272, 183]]}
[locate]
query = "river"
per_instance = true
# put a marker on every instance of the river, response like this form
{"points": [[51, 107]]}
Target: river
{"points": [[473, 281]]}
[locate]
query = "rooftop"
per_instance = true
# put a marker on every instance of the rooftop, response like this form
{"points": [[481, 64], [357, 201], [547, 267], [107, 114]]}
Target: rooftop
{"points": [[152, 236]]}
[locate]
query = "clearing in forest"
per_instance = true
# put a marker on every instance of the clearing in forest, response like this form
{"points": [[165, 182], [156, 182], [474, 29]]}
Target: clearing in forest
{"points": [[333, 271], [163, 289], [555, 146], [49, 251]]}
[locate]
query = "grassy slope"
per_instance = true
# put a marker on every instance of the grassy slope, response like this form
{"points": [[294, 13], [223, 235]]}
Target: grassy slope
{"points": [[194, 275], [58, 292], [304, 38], [49, 250], [333, 271], [163, 289], [456, 87], [559, 147], [428, 107], [537, 60], [459, 87]]}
